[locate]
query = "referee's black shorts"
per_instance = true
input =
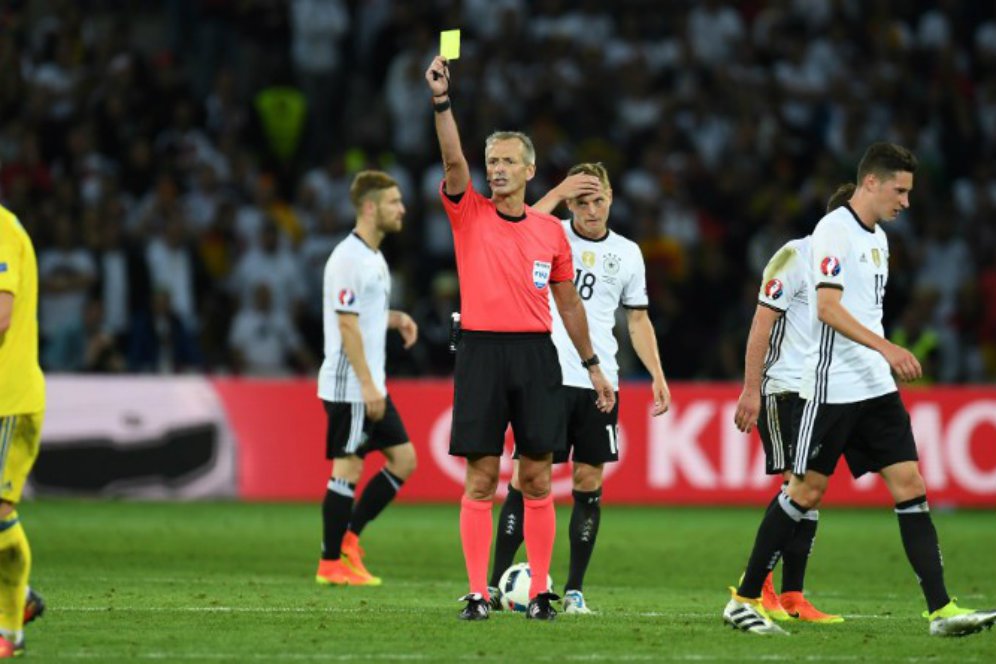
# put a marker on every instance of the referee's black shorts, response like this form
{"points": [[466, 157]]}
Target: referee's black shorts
{"points": [[504, 378]]}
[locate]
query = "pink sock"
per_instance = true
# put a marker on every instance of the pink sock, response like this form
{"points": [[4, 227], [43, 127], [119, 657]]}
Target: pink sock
{"points": [[475, 535], [539, 527]]}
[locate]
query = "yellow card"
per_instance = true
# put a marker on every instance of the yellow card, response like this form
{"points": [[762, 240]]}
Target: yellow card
{"points": [[449, 44]]}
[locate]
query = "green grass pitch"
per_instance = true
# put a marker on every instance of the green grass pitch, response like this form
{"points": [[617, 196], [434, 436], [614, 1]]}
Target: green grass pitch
{"points": [[213, 582]]}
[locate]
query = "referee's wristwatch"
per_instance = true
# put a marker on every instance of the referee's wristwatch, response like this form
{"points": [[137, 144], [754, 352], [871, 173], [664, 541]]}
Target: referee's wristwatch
{"points": [[590, 362]]}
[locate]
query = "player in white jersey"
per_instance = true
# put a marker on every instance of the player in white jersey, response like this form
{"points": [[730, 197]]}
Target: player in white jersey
{"points": [[852, 408], [351, 383], [776, 348], [608, 273]]}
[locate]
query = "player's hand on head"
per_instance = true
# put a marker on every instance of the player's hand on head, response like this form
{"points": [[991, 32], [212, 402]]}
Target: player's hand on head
{"points": [[662, 398], [748, 410], [374, 402], [438, 76], [577, 185]]}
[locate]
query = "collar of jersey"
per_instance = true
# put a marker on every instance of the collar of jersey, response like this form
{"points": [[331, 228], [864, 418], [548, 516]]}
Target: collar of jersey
{"points": [[588, 239], [510, 218], [858, 219], [357, 236]]}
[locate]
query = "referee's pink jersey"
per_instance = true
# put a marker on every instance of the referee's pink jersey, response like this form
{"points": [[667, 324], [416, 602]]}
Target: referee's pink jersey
{"points": [[505, 265]]}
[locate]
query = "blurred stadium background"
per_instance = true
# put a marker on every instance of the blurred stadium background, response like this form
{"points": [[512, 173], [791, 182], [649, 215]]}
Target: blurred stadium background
{"points": [[182, 167]]}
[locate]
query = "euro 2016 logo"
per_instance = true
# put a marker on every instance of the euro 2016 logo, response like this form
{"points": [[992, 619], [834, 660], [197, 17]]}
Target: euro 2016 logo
{"points": [[346, 297], [773, 289], [830, 266]]}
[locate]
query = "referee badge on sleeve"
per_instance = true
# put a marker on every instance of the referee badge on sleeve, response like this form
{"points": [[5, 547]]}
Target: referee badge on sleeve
{"points": [[541, 273]]}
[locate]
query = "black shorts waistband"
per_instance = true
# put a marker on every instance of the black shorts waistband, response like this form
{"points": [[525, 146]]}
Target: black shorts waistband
{"points": [[503, 337]]}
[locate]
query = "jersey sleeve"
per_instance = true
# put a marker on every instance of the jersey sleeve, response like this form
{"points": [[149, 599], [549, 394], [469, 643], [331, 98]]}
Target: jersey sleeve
{"points": [[778, 284], [345, 285], [634, 295], [10, 264], [563, 261], [462, 207], [830, 249]]}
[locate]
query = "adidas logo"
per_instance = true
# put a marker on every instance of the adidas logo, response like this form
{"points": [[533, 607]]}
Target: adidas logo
{"points": [[864, 259]]}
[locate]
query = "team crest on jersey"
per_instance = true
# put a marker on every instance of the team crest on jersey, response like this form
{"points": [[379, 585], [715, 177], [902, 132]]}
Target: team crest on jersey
{"points": [[541, 273], [830, 266], [588, 259], [346, 297], [611, 263], [773, 289], [877, 257]]}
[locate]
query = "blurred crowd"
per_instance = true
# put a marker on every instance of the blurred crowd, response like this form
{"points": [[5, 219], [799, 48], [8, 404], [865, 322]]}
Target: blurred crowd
{"points": [[183, 166]]}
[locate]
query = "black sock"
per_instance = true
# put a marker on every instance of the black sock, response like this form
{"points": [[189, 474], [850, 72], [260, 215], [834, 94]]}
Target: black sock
{"points": [[509, 536], [797, 551], [776, 529], [336, 509], [923, 550], [379, 491], [585, 517]]}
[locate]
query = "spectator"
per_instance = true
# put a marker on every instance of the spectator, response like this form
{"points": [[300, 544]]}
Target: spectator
{"points": [[264, 341]]}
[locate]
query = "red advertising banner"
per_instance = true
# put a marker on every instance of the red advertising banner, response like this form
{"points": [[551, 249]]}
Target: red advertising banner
{"points": [[691, 455]]}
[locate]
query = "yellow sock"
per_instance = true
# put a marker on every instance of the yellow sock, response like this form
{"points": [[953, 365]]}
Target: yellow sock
{"points": [[15, 565]]}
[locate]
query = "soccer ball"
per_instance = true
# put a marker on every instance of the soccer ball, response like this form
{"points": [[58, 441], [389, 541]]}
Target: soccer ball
{"points": [[514, 587]]}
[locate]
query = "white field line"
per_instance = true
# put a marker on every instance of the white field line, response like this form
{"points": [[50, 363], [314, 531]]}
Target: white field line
{"points": [[418, 657], [379, 609]]}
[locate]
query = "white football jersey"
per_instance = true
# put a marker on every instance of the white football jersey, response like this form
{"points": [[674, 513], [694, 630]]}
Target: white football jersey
{"points": [[849, 256], [607, 272], [786, 288], [356, 282]]}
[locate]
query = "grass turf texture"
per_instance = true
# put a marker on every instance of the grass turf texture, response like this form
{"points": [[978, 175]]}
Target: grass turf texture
{"points": [[211, 582]]}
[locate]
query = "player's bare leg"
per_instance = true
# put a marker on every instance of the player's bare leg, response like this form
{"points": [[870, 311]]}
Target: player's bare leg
{"points": [[13, 584], [508, 538], [792, 602], [924, 553], [377, 494], [337, 507], [585, 518]]}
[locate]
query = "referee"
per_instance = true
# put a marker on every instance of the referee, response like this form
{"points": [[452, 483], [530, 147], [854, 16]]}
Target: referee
{"points": [[509, 259]]}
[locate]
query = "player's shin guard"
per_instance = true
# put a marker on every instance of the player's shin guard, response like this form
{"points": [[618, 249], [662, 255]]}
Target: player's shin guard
{"points": [[923, 550], [509, 536], [585, 517], [336, 510], [540, 528], [796, 554], [475, 536], [379, 491], [15, 566], [776, 529]]}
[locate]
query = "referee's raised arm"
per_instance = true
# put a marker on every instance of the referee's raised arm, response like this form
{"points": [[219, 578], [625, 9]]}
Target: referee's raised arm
{"points": [[454, 163]]}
